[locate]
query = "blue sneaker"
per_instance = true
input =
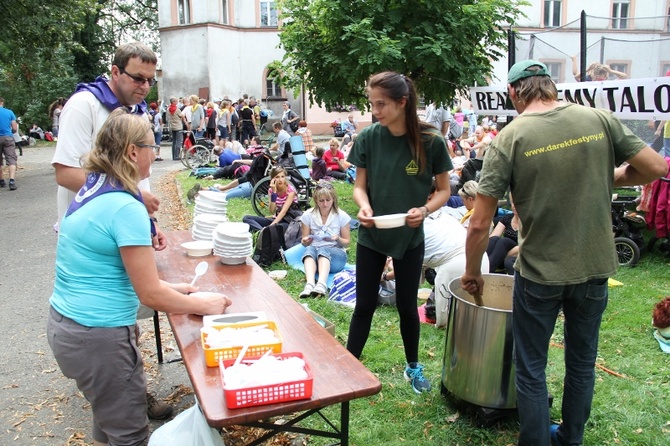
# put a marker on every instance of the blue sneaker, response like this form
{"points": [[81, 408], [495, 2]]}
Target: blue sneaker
{"points": [[553, 431], [414, 374]]}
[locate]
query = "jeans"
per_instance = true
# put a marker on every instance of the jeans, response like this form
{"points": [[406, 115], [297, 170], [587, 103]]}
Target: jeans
{"points": [[336, 256], [241, 191], [535, 310], [177, 141], [257, 223], [666, 147]]}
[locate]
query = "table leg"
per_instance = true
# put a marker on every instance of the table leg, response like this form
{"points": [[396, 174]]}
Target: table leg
{"points": [[344, 423]]}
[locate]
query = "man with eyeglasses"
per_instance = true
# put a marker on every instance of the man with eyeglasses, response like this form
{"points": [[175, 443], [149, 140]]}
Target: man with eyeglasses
{"points": [[132, 76]]}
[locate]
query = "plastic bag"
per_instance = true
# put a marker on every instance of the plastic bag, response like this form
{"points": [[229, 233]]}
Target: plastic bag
{"points": [[189, 428], [343, 290]]}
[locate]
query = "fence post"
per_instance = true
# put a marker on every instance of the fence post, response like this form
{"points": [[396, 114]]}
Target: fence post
{"points": [[511, 48], [582, 46]]}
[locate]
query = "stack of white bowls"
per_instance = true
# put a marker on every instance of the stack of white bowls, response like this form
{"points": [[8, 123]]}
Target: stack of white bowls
{"points": [[205, 224], [232, 242], [210, 202]]}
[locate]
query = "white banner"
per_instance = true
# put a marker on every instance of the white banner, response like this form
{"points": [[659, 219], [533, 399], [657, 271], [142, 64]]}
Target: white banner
{"points": [[642, 99]]}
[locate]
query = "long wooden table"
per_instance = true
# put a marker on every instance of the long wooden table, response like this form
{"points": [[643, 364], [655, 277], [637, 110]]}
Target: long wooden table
{"points": [[338, 376]]}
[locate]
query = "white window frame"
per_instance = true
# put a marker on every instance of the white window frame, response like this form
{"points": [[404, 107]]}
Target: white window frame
{"points": [[184, 12], [552, 9], [619, 65], [620, 14], [272, 89], [555, 68], [268, 13]]}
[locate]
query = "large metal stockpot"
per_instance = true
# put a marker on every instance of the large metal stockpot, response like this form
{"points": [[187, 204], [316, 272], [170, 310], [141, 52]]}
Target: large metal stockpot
{"points": [[478, 365]]}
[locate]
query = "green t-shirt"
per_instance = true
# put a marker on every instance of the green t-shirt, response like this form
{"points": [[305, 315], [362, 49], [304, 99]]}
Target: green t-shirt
{"points": [[559, 166], [395, 184]]}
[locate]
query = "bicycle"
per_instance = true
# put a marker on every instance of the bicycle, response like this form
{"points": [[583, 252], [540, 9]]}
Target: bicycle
{"points": [[304, 186], [197, 152]]}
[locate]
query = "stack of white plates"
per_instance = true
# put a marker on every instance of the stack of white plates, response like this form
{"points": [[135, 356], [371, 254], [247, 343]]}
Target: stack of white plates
{"points": [[210, 202], [232, 242], [204, 225]]}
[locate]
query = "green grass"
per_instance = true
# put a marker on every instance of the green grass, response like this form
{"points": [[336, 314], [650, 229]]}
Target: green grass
{"points": [[628, 410]]}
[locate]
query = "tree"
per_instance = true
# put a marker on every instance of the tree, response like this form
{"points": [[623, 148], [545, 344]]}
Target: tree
{"points": [[47, 48], [445, 46]]}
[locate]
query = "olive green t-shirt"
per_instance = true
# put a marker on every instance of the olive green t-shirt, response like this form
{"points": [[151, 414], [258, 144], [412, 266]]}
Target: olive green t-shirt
{"points": [[559, 166], [395, 184]]}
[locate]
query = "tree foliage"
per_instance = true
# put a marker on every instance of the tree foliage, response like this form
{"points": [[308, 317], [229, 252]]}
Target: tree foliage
{"points": [[445, 46], [46, 48]]}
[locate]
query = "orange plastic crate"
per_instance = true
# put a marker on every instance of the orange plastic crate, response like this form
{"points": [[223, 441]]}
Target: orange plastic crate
{"points": [[213, 355], [270, 394]]}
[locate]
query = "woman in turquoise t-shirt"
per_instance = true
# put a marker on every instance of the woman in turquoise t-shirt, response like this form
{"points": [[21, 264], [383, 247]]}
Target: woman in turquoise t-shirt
{"points": [[106, 266], [395, 161]]}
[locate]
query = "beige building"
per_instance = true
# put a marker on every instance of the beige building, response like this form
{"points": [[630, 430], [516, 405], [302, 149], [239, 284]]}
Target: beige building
{"points": [[217, 48]]}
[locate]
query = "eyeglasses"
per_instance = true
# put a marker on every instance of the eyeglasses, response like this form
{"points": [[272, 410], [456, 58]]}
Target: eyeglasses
{"points": [[139, 80], [154, 147]]}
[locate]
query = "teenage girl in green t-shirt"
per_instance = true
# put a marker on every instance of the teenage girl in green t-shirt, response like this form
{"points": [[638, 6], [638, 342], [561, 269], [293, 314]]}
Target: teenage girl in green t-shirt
{"points": [[395, 161]]}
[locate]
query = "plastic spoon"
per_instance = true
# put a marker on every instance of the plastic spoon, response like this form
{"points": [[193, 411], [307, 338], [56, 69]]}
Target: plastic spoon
{"points": [[200, 270]]}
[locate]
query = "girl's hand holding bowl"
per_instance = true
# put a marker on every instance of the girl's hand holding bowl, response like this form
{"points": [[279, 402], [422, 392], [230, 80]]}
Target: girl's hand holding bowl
{"points": [[365, 217]]}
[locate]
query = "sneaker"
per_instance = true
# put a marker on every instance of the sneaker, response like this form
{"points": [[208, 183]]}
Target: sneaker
{"points": [[320, 289], [307, 291], [414, 374], [3, 183], [157, 410], [553, 430], [12, 185]]}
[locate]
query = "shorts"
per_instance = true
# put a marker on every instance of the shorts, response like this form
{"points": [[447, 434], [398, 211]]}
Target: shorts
{"points": [[107, 366], [8, 150]]}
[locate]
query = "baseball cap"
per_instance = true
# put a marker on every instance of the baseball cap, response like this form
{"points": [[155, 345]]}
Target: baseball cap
{"points": [[520, 70]]}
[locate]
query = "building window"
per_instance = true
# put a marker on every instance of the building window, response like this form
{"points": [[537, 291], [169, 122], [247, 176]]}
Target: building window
{"points": [[552, 13], [555, 70], [621, 67], [620, 11], [269, 13], [184, 11], [224, 12], [272, 89]]}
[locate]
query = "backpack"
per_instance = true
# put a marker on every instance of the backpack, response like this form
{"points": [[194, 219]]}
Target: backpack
{"points": [[259, 168], [293, 234], [269, 245], [293, 125], [234, 118]]}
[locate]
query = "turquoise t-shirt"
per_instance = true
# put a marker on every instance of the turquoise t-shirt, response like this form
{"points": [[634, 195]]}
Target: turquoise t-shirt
{"points": [[395, 184], [91, 285]]}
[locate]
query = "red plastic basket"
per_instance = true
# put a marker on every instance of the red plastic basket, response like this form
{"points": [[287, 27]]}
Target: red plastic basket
{"points": [[270, 394]]}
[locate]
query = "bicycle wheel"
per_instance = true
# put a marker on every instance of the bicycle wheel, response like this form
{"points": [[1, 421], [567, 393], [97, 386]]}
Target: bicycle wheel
{"points": [[259, 197], [196, 156], [627, 251]]}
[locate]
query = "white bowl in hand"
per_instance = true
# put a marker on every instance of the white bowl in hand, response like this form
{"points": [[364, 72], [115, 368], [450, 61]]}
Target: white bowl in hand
{"points": [[390, 221], [198, 248]]}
